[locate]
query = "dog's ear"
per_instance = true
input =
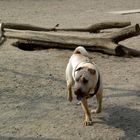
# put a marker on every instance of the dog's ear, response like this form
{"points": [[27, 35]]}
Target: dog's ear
{"points": [[92, 71]]}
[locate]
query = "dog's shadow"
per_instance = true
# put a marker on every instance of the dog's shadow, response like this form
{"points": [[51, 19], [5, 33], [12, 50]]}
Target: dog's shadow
{"points": [[124, 118]]}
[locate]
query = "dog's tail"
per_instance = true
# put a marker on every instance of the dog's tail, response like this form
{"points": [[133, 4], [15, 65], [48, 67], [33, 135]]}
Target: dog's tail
{"points": [[81, 50]]}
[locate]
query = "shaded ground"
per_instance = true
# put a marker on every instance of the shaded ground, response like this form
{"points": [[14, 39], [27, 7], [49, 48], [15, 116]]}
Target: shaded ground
{"points": [[33, 101]]}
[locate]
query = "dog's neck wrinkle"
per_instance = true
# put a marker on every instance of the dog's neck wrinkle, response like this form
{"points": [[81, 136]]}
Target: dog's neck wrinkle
{"points": [[78, 65], [77, 68]]}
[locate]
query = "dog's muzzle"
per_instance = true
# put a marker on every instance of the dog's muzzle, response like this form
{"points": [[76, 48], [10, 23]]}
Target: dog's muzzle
{"points": [[79, 93]]}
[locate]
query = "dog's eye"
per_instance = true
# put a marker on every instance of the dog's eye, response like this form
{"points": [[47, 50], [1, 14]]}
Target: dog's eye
{"points": [[79, 68], [85, 81], [77, 79]]}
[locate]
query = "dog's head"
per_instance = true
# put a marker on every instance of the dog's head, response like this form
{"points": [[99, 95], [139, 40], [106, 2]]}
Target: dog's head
{"points": [[85, 79]]}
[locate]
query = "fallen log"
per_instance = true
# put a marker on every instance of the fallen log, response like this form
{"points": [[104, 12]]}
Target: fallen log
{"points": [[106, 43], [59, 40], [119, 50], [92, 28]]}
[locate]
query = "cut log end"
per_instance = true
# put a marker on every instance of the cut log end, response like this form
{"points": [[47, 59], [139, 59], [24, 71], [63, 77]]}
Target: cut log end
{"points": [[137, 28], [127, 52]]}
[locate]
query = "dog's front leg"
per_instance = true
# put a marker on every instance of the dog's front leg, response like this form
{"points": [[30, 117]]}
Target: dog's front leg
{"points": [[99, 96], [70, 97], [88, 120]]}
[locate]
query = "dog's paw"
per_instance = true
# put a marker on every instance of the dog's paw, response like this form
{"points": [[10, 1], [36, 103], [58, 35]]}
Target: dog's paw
{"points": [[95, 111], [78, 103], [88, 123]]}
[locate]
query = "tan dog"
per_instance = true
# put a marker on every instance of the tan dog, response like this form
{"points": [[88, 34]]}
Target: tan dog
{"points": [[84, 76]]}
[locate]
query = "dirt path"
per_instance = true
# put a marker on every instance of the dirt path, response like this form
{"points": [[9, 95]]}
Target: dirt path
{"points": [[33, 101]]}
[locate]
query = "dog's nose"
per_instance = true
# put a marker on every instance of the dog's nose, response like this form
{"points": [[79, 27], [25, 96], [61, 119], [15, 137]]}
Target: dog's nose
{"points": [[77, 91]]}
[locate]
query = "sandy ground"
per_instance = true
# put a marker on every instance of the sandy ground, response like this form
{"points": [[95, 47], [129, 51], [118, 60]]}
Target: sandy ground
{"points": [[33, 96]]}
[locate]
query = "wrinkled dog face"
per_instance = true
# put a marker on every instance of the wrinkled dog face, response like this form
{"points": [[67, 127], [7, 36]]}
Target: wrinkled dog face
{"points": [[84, 81]]}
